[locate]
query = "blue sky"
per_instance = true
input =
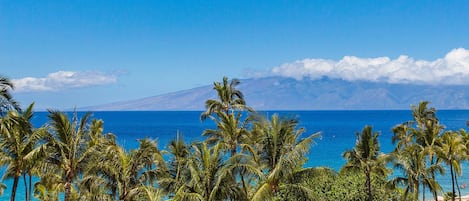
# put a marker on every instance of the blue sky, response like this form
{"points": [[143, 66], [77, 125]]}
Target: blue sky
{"points": [[81, 53]]}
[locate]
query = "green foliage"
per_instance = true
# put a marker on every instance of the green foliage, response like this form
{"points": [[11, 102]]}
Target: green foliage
{"points": [[6, 100], [244, 158], [349, 186], [365, 157]]}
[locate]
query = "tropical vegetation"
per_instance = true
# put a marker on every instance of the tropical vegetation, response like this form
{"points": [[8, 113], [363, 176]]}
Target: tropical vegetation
{"points": [[246, 156]]}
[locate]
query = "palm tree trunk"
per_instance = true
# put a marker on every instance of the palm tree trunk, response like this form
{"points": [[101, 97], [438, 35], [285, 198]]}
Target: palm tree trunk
{"points": [[417, 188], [25, 187], [30, 186], [423, 191], [453, 198], [457, 185], [68, 185], [435, 194], [368, 185], [13, 190], [68, 191]]}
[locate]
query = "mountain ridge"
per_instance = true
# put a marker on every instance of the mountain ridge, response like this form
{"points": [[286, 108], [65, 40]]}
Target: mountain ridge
{"points": [[281, 93]]}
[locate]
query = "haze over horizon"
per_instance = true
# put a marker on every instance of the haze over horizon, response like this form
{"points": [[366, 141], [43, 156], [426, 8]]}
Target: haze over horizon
{"points": [[65, 54]]}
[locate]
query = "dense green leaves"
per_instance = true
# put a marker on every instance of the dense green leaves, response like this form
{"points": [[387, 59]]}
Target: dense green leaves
{"points": [[245, 157]]}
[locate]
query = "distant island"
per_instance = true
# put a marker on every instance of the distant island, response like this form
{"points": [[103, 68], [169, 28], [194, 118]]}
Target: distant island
{"points": [[281, 93]]}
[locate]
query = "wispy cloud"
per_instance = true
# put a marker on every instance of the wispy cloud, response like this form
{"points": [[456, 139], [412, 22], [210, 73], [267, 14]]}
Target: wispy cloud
{"points": [[63, 80], [452, 69]]}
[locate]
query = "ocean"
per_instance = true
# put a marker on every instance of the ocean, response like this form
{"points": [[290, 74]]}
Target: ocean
{"points": [[338, 129]]}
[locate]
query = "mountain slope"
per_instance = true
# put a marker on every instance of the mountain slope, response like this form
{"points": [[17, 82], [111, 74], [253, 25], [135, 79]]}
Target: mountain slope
{"points": [[278, 93]]}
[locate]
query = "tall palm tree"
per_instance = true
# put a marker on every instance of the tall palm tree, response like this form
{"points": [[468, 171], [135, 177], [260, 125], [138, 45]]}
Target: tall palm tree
{"points": [[6, 100], [227, 113], [428, 134], [453, 152], [424, 130], [411, 161], [68, 149], [18, 139], [366, 157], [229, 98], [282, 156]]}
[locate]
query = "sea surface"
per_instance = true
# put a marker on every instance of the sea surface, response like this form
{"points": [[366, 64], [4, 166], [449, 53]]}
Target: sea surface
{"points": [[338, 130]]}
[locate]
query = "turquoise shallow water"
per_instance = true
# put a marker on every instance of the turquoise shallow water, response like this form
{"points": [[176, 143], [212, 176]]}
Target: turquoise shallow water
{"points": [[338, 130]]}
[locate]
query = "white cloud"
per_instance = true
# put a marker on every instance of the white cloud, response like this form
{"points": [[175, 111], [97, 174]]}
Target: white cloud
{"points": [[453, 69], [63, 80]]}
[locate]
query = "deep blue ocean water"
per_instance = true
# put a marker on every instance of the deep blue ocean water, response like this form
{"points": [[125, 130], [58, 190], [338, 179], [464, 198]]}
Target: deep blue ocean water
{"points": [[338, 130]]}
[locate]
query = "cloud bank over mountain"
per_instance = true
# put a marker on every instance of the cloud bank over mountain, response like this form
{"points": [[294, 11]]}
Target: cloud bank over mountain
{"points": [[63, 80], [452, 69]]}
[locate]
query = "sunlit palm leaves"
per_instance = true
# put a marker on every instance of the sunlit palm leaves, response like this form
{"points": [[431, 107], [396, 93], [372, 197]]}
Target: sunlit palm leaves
{"points": [[452, 152], [124, 175], [18, 140], [175, 173], [419, 139], [366, 157], [282, 156], [229, 99], [205, 168], [69, 150]]}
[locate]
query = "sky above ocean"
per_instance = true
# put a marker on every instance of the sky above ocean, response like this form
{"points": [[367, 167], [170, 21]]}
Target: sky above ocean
{"points": [[65, 54]]}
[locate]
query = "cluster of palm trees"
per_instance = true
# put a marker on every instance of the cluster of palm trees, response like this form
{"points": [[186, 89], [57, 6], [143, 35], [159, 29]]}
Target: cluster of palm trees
{"points": [[424, 149], [247, 156]]}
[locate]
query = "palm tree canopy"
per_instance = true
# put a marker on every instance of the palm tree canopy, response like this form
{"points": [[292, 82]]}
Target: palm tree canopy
{"points": [[6, 100], [229, 98], [283, 148], [366, 150]]}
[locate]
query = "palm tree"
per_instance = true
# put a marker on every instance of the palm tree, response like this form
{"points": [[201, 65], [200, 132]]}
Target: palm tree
{"points": [[6, 100], [410, 160], [125, 175], [282, 156], [68, 149], [452, 152], [207, 183], [174, 173], [403, 135], [366, 157], [229, 99], [18, 140], [424, 130], [465, 139], [230, 132], [428, 134]]}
